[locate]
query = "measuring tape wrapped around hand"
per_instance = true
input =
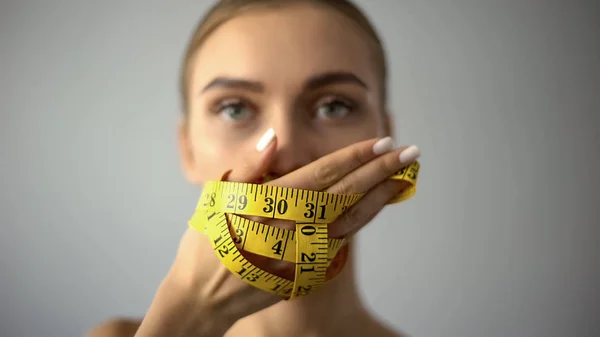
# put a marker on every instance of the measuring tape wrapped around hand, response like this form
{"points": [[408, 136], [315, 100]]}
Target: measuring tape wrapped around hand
{"points": [[309, 247]]}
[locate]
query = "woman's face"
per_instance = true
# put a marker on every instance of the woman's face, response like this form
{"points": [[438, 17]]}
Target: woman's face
{"points": [[307, 72]]}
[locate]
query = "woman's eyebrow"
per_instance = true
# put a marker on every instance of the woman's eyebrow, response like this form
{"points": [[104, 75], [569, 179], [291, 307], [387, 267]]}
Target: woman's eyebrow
{"points": [[314, 82], [230, 82], [329, 78]]}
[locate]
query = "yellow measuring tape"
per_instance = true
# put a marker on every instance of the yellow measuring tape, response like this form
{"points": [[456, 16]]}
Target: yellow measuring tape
{"points": [[308, 246]]}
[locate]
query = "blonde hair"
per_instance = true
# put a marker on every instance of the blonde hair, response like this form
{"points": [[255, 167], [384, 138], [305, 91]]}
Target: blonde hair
{"points": [[225, 10]]}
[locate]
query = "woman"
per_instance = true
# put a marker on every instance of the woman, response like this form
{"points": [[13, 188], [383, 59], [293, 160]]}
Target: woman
{"points": [[288, 93]]}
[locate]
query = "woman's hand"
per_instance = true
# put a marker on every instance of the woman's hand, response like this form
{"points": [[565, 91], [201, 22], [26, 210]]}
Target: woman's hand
{"points": [[360, 168], [200, 295], [363, 167]]}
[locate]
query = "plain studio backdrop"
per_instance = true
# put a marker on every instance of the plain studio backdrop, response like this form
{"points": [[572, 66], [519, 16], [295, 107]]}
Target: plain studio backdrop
{"points": [[501, 238]]}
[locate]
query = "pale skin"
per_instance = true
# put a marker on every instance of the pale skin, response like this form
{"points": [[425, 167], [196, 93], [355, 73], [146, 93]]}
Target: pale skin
{"points": [[273, 69]]}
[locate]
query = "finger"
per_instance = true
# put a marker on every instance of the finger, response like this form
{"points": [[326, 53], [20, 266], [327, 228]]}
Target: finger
{"points": [[367, 176], [327, 170], [361, 213], [321, 173], [253, 167]]}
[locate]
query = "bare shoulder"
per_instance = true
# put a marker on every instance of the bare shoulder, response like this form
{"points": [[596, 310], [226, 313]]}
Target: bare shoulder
{"points": [[115, 328], [369, 324], [381, 329], [385, 331]]}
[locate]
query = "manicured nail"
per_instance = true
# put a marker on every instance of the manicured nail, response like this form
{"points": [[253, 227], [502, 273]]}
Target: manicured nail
{"points": [[265, 140], [383, 145], [410, 154]]}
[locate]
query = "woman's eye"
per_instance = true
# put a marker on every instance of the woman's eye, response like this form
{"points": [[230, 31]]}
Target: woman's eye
{"points": [[236, 111], [333, 110]]}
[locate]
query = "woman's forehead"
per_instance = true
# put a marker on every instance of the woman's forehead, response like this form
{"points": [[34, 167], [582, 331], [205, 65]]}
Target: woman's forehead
{"points": [[284, 45]]}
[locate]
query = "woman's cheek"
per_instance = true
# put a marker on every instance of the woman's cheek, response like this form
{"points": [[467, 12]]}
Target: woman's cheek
{"points": [[218, 157]]}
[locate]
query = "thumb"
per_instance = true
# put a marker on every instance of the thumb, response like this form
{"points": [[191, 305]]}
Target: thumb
{"points": [[256, 164]]}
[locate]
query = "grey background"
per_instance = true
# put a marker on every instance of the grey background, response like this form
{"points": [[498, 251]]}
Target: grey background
{"points": [[502, 96]]}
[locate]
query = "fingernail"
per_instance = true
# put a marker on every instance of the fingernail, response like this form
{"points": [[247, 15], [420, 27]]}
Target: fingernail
{"points": [[383, 145], [410, 154], [265, 140]]}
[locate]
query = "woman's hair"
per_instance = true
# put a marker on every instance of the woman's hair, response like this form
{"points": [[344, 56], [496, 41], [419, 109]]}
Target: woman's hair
{"points": [[225, 10]]}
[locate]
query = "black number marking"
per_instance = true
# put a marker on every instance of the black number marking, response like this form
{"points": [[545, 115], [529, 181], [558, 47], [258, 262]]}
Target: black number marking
{"points": [[277, 248], [282, 206], [304, 290], [223, 251], [310, 210], [242, 202], [303, 269], [322, 216], [231, 202], [252, 277], [308, 230], [218, 239], [241, 272], [269, 207], [412, 174], [239, 236], [212, 199], [310, 258]]}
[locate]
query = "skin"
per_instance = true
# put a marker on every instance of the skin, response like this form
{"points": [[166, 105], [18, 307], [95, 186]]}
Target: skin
{"points": [[243, 84]]}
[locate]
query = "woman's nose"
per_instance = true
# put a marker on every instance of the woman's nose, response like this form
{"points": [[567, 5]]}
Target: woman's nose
{"points": [[294, 147]]}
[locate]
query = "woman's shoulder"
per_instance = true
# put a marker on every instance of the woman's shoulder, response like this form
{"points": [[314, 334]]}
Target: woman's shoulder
{"points": [[385, 331], [367, 324], [122, 327], [378, 328], [119, 327]]}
